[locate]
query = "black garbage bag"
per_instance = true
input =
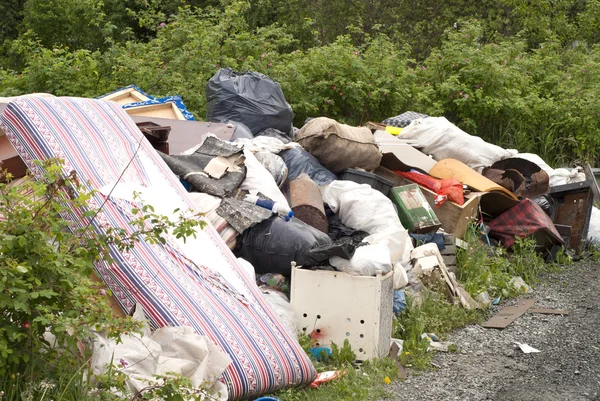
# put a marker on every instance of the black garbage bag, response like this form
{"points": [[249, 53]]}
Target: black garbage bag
{"points": [[299, 161], [275, 133], [250, 98], [240, 130], [343, 247], [338, 230], [274, 244]]}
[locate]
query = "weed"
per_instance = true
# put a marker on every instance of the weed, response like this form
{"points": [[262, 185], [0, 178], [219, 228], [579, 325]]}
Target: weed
{"points": [[366, 381], [433, 314]]}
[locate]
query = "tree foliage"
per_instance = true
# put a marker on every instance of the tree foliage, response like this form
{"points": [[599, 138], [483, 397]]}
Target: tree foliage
{"points": [[520, 74]]}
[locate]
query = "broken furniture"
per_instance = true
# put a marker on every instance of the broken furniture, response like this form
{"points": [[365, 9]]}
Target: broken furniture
{"points": [[454, 218], [321, 301], [574, 209]]}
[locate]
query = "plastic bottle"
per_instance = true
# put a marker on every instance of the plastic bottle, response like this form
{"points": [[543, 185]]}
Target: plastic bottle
{"points": [[276, 207]]}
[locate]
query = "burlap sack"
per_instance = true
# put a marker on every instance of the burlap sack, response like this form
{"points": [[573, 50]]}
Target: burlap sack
{"points": [[339, 146]]}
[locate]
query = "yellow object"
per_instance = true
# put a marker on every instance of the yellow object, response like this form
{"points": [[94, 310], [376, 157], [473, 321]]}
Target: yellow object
{"points": [[393, 130], [452, 168], [387, 380]]}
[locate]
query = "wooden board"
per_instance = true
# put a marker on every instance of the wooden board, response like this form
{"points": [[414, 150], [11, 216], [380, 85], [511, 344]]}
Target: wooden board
{"points": [[589, 175], [508, 315], [544, 311], [452, 168], [454, 218]]}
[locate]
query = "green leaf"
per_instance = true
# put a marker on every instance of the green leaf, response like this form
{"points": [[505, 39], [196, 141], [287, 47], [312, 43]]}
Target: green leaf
{"points": [[21, 269]]}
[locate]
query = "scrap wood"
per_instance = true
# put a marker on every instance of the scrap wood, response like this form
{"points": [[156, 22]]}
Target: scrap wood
{"points": [[545, 311], [508, 315], [394, 351]]}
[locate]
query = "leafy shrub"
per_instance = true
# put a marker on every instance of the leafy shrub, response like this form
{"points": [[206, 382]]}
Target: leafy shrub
{"points": [[50, 304]]}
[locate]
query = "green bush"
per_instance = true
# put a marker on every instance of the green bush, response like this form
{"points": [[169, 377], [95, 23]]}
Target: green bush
{"points": [[50, 305]]}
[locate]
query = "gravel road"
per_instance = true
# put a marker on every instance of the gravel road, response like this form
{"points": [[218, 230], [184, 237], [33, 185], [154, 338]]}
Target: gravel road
{"points": [[488, 367]]}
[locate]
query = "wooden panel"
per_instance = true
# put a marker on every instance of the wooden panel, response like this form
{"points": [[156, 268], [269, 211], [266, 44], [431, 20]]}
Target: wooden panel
{"points": [[161, 110], [187, 134], [509, 314], [15, 166], [454, 218]]}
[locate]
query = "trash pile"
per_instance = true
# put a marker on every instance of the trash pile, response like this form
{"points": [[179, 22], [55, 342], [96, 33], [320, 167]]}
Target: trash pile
{"points": [[315, 231]]}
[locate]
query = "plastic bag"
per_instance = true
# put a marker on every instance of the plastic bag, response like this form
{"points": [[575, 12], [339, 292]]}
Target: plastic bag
{"points": [[442, 139], [450, 189], [274, 244], [274, 165], [367, 260], [547, 203], [343, 248], [258, 179], [564, 176], [240, 131], [594, 229], [299, 161], [249, 97], [280, 304], [361, 207], [275, 133]]}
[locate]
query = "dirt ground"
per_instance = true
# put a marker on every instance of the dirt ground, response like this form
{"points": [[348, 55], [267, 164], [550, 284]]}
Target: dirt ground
{"points": [[489, 367]]}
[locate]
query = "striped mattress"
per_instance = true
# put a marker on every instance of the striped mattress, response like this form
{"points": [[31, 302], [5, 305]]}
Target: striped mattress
{"points": [[197, 283]]}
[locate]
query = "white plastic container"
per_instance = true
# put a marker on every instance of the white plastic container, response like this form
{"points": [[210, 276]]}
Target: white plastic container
{"points": [[333, 306]]}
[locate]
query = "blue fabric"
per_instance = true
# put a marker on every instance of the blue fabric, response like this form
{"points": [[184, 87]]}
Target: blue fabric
{"points": [[399, 302], [422, 239]]}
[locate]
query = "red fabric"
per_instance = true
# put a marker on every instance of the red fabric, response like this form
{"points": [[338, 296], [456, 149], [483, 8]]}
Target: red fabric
{"points": [[523, 220], [450, 188]]}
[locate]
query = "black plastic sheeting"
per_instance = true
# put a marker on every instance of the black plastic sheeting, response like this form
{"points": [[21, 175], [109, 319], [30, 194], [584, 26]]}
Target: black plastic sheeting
{"points": [[250, 98], [343, 247], [299, 161], [242, 215], [275, 133], [337, 229], [274, 244]]}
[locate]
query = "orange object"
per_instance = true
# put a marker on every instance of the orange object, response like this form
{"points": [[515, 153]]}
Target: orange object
{"points": [[326, 377]]}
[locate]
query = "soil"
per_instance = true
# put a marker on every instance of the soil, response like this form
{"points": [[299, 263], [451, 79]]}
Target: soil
{"points": [[489, 366]]}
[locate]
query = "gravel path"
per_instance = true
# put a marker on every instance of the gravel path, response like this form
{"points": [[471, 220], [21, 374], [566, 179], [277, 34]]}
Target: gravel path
{"points": [[489, 367]]}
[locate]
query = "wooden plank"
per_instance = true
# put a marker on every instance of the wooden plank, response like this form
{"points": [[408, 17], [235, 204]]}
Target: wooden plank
{"points": [[508, 315], [545, 311], [449, 260], [589, 175], [454, 218]]}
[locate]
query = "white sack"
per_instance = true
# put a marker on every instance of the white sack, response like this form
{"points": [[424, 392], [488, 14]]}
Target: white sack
{"points": [[559, 176], [258, 179], [443, 140], [169, 349], [594, 229], [564, 176], [362, 208], [366, 261]]}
